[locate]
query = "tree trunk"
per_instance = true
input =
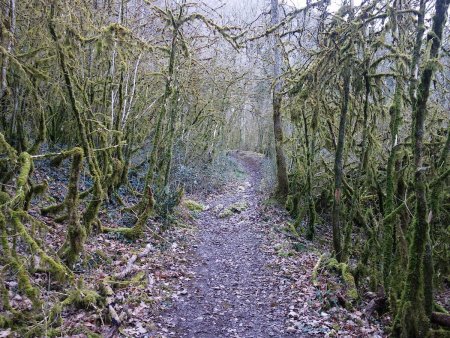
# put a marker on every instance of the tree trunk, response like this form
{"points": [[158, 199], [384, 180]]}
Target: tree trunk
{"points": [[310, 151], [282, 178], [414, 317], [389, 202], [5, 63], [338, 168]]}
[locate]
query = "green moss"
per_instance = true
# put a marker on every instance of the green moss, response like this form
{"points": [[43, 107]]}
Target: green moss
{"points": [[132, 233], [225, 213], [25, 169], [193, 205], [347, 277], [76, 233], [350, 281], [285, 253], [234, 208], [53, 209], [4, 197], [24, 282], [137, 279], [23, 278], [439, 308], [54, 315], [292, 229], [4, 302], [5, 322], [58, 269], [93, 208], [127, 232], [272, 201], [4, 235], [292, 205], [289, 205], [5, 147], [54, 332], [147, 207], [239, 206], [35, 190], [103, 255], [83, 299]]}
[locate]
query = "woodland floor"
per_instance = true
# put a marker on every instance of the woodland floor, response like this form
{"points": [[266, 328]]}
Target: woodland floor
{"points": [[234, 269], [246, 280]]}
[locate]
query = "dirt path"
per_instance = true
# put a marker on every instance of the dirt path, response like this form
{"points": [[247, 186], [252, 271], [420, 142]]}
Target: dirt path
{"points": [[234, 292]]}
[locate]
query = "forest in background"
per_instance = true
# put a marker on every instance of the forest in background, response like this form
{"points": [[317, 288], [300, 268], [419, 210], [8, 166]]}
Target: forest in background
{"points": [[139, 101]]}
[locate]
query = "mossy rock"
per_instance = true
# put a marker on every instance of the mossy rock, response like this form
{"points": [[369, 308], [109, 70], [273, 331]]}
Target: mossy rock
{"points": [[193, 205], [234, 208], [238, 207], [225, 213], [349, 280]]}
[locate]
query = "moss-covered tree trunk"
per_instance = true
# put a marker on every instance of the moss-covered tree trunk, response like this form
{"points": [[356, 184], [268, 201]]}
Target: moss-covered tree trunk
{"points": [[282, 177], [365, 149], [389, 205], [414, 317], [76, 232], [310, 141], [9, 37], [414, 67], [147, 202], [172, 127], [339, 167]]}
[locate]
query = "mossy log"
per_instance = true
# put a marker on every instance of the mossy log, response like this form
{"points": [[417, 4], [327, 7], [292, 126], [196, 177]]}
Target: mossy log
{"points": [[13, 259], [59, 270], [83, 299]]}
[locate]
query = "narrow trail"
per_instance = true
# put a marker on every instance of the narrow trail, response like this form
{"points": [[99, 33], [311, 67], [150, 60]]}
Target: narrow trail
{"points": [[234, 292]]}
